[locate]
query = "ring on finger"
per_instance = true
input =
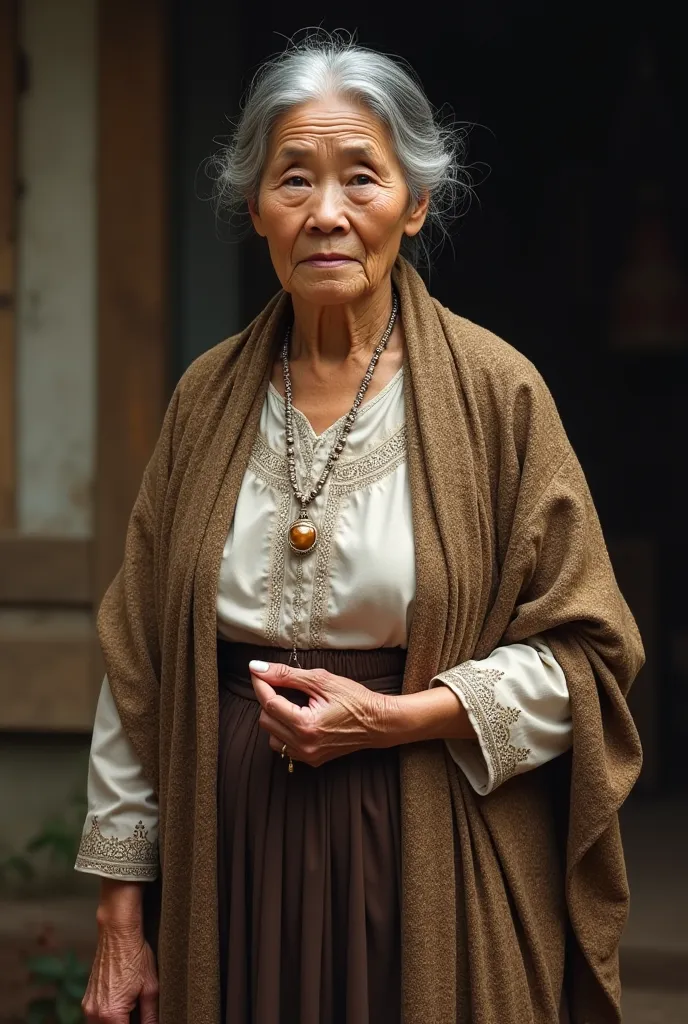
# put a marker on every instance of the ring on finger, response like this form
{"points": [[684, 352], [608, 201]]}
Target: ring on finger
{"points": [[283, 754]]}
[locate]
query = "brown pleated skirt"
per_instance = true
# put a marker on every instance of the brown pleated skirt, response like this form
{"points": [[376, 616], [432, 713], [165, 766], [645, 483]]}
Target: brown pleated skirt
{"points": [[308, 862]]}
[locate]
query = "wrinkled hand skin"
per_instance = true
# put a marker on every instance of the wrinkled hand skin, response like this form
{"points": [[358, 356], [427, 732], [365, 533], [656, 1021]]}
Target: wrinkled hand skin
{"points": [[341, 717], [123, 974]]}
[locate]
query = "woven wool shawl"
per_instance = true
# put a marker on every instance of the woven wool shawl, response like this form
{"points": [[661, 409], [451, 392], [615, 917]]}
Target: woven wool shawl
{"points": [[505, 898]]}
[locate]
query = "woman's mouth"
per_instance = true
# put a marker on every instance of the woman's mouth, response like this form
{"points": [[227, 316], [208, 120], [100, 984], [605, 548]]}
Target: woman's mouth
{"points": [[330, 262]]}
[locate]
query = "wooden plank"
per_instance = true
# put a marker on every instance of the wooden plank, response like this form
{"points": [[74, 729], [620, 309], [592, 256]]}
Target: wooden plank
{"points": [[133, 172], [44, 570], [46, 679], [8, 200]]}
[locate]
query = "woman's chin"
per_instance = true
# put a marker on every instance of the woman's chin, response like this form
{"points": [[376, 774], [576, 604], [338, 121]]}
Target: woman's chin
{"points": [[330, 287]]}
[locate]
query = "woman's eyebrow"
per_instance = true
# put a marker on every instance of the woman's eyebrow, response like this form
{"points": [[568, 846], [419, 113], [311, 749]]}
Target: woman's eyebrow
{"points": [[293, 153], [358, 151]]}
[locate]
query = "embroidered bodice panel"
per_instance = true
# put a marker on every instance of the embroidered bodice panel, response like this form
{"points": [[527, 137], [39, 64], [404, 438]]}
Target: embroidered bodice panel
{"points": [[359, 583]]}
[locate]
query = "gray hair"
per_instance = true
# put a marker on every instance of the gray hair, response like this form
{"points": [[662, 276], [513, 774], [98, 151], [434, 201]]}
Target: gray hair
{"points": [[430, 148]]}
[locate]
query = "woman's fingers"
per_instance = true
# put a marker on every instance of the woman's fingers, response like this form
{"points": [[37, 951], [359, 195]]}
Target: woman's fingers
{"points": [[276, 728], [148, 1000], [95, 1013], [295, 747], [262, 689], [97, 1018], [123, 974], [149, 1007], [278, 744], [278, 674], [278, 706], [286, 722], [298, 736]]}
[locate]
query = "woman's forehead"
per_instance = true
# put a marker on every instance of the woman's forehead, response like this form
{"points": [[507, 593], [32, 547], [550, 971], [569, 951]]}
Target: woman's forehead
{"points": [[353, 130]]}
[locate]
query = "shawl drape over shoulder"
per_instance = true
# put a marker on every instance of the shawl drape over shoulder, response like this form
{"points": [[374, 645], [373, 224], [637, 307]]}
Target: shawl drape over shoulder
{"points": [[505, 897]]}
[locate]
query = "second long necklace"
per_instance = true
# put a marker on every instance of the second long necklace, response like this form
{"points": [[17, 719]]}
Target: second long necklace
{"points": [[302, 534]]}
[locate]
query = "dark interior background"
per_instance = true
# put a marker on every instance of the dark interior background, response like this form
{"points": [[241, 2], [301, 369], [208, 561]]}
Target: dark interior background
{"points": [[573, 250]]}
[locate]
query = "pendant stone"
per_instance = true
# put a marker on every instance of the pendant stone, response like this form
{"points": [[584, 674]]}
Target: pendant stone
{"points": [[302, 536]]}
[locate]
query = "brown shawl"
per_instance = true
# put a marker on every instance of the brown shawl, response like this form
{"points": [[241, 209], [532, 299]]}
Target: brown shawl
{"points": [[504, 896]]}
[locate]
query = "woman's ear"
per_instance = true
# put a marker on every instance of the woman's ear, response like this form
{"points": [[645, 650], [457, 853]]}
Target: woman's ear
{"points": [[255, 217], [416, 217]]}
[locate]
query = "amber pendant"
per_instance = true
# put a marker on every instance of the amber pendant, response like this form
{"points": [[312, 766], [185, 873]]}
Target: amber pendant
{"points": [[302, 535]]}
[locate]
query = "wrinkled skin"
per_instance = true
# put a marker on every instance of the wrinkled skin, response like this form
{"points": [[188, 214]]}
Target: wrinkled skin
{"points": [[123, 973]]}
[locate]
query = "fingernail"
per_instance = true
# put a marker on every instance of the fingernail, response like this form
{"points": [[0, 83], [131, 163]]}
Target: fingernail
{"points": [[258, 666]]}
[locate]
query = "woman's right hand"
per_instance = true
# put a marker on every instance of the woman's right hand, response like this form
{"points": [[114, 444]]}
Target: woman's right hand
{"points": [[123, 972]]}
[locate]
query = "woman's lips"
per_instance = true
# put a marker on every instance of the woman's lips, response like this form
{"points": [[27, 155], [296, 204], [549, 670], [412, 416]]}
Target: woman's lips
{"points": [[320, 263]]}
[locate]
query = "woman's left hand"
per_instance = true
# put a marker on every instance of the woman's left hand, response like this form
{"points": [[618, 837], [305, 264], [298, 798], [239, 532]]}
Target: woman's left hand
{"points": [[341, 716]]}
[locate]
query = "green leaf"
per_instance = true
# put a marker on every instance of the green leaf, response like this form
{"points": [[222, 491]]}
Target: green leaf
{"points": [[79, 802], [40, 1011], [57, 841], [70, 960], [67, 1010], [50, 834], [38, 843], [19, 865], [75, 987], [81, 974], [76, 968], [46, 968]]}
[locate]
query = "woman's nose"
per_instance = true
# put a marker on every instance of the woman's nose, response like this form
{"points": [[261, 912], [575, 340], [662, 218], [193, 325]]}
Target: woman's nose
{"points": [[327, 212]]}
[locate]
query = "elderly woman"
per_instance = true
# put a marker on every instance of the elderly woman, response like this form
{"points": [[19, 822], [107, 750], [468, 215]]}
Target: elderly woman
{"points": [[364, 713]]}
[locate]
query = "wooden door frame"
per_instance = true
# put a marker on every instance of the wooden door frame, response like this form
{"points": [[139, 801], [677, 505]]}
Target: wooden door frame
{"points": [[133, 263], [59, 574], [9, 74]]}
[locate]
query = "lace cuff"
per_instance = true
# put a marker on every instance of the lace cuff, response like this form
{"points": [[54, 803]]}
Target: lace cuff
{"points": [[120, 836], [132, 859], [518, 703]]}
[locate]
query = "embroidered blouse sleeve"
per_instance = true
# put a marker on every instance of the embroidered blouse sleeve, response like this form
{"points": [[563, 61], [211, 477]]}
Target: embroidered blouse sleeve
{"points": [[518, 703], [121, 828]]}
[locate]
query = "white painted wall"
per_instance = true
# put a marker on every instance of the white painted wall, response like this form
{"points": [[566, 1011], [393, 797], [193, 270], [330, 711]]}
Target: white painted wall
{"points": [[56, 386]]}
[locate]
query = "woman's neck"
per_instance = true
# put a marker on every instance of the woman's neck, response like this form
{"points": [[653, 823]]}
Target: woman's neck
{"points": [[327, 336]]}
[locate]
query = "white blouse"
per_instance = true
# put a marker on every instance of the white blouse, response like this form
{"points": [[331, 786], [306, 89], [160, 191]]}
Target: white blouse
{"points": [[357, 592]]}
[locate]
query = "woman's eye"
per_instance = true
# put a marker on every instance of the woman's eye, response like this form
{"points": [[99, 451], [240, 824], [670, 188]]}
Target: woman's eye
{"points": [[362, 179], [296, 180]]}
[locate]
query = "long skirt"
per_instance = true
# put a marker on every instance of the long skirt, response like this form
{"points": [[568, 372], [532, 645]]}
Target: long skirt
{"points": [[308, 861]]}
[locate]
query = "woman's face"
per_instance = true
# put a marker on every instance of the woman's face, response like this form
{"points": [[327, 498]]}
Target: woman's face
{"points": [[333, 204]]}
